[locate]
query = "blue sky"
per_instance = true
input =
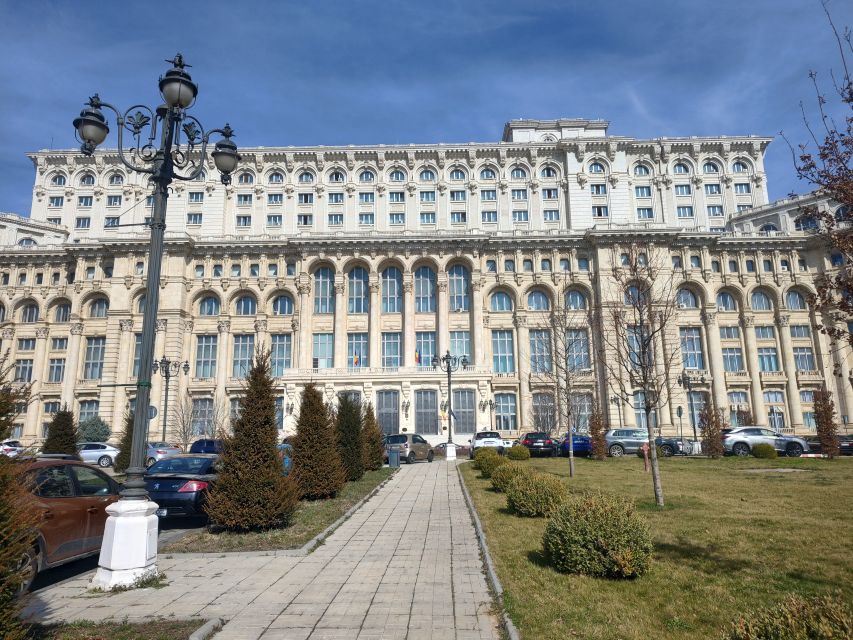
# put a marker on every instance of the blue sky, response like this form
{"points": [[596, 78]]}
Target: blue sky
{"points": [[304, 73]]}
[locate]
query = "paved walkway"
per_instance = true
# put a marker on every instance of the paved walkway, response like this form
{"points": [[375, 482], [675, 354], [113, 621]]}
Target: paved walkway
{"points": [[405, 565]]}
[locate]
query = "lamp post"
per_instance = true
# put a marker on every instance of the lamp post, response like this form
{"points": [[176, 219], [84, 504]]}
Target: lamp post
{"points": [[450, 364], [687, 381], [168, 368], [167, 144], [617, 401], [679, 411]]}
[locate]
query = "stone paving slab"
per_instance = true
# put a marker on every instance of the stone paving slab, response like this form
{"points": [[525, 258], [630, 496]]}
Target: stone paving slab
{"points": [[405, 565]]}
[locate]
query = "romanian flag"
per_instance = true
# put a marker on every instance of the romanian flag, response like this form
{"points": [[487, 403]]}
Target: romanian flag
{"points": [[417, 356]]}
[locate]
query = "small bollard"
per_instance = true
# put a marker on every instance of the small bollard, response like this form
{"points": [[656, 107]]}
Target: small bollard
{"points": [[645, 449]]}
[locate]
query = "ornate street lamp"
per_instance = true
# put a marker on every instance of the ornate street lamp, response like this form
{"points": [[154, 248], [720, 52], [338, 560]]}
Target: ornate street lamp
{"points": [[687, 381], [450, 364], [167, 144], [168, 369]]}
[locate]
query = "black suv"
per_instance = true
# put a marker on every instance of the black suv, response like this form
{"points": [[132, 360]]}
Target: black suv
{"points": [[206, 446]]}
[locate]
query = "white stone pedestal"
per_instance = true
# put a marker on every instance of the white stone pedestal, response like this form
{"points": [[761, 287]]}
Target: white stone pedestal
{"points": [[129, 548], [451, 451]]}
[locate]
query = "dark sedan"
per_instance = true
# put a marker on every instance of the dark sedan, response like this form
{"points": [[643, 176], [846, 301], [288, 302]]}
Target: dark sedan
{"points": [[581, 445], [845, 445], [540, 442], [206, 445], [179, 484]]}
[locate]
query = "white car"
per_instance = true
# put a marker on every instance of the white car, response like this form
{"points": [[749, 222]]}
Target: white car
{"points": [[11, 448], [488, 439], [104, 455]]}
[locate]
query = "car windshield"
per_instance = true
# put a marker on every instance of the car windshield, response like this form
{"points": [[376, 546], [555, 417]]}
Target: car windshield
{"points": [[194, 466], [395, 439], [488, 434]]}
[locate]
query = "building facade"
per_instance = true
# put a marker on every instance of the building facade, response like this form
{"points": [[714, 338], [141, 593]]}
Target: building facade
{"points": [[355, 265]]}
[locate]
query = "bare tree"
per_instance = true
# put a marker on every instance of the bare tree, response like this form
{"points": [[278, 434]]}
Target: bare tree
{"points": [[190, 422], [639, 336]]}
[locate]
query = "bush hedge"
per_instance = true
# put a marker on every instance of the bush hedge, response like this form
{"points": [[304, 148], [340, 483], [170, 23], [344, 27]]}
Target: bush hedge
{"points": [[518, 452], [764, 451], [535, 494], [600, 535], [824, 617], [504, 474], [483, 453], [490, 463]]}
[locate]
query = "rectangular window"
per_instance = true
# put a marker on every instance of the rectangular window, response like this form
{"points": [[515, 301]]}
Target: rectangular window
{"points": [[640, 412], [549, 194], [712, 189], [88, 409], [388, 411], [26, 344], [83, 222], [194, 218], [427, 217], [357, 351], [274, 220], [93, 365], [244, 350], [336, 198], [305, 198], [804, 359], [397, 218], [744, 207], [274, 199], [765, 332], [424, 348], [137, 351], [59, 344], [396, 196], [732, 359], [457, 196], [645, 213], [692, 354], [518, 194], [580, 405], [426, 412], [336, 219], [519, 215], [551, 215], [281, 351], [23, 370], [715, 210], [113, 201], [489, 217], [323, 351], [540, 351], [464, 411], [684, 212], [304, 219], [196, 197], [544, 412], [244, 221], [505, 414], [202, 416], [244, 199], [488, 195], [598, 189], [643, 191], [205, 356], [599, 211], [800, 331], [683, 190], [577, 350], [366, 197], [390, 350], [460, 344], [729, 333], [55, 202], [149, 201], [56, 370], [742, 188], [427, 196], [84, 201], [365, 219], [458, 217], [503, 352], [767, 359], [54, 220]]}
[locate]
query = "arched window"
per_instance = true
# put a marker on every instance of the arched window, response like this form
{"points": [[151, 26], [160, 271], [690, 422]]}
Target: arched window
{"points": [[633, 295], [62, 313], [324, 290], [518, 173], [710, 167], [427, 175], [457, 174], [795, 301], [760, 301], [842, 214], [116, 180], [30, 313], [87, 180], [58, 180], [596, 167], [740, 167], [306, 177], [726, 301], [140, 305], [681, 169], [246, 306], [424, 290], [201, 177], [686, 299], [538, 301], [26, 242], [548, 172], [575, 300], [245, 178], [392, 290], [209, 306], [501, 302], [366, 176], [458, 282], [98, 308], [276, 177], [337, 176], [487, 174], [397, 175], [641, 170], [2, 313], [358, 298], [768, 228], [282, 306]]}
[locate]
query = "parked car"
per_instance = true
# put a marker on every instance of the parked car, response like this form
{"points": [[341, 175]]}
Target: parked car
{"points": [[490, 439], [845, 445], [622, 441], [411, 446], [206, 445], [104, 455], [179, 484], [159, 450], [741, 441], [541, 443], [72, 497], [581, 444], [11, 448]]}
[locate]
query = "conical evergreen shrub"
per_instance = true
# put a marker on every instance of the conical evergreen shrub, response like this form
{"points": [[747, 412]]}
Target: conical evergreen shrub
{"points": [[317, 467], [61, 434], [349, 437], [372, 441], [251, 493], [123, 458]]}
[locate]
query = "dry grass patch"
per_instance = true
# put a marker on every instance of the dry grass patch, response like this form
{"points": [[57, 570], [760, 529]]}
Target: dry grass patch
{"points": [[156, 629]]}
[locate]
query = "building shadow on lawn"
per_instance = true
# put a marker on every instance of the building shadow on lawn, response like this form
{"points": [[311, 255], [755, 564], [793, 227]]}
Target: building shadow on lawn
{"points": [[706, 559]]}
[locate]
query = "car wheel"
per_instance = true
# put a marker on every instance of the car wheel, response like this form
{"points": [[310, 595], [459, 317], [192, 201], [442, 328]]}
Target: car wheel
{"points": [[616, 451], [794, 450], [741, 449], [429, 456], [149, 462], [105, 461], [29, 567], [667, 451], [410, 459]]}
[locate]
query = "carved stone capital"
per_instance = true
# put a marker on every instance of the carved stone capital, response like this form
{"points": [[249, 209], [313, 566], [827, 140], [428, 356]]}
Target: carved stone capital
{"points": [[294, 323], [340, 289], [7, 333], [709, 317], [441, 286], [161, 325], [42, 332], [408, 286], [188, 326], [125, 325], [748, 321], [223, 326], [260, 325], [77, 329], [783, 319]]}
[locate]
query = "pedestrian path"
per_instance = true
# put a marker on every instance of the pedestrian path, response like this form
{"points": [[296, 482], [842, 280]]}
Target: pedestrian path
{"points": [[405, 565]]}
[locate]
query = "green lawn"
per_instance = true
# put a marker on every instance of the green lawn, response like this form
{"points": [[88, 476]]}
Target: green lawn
{"points": [[148, 630], [728, 541], [311, 518]]}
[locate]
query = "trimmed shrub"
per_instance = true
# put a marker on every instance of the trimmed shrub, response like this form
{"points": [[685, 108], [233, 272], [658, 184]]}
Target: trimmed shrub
{"points": [[535, 494], [764, 451], [123, 458], [518, 452], [825, 617], [483, 453], [61, 434], [490, 463], [372, 441], [93, 430], [348, 427], [317, 467], [504, 474], [600, 535]]}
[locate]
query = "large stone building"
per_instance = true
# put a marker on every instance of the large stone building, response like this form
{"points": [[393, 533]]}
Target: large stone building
{"points": [[356, 264]]}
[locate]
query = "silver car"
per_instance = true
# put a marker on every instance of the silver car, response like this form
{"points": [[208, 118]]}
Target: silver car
{"points": [[159, 450], [741, 441], [11, 448], [622, 441], [104, 455]]}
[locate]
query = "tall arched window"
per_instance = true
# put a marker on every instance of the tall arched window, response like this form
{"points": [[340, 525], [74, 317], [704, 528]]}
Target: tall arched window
{"points": [[30, 313], [686, 299], [427, 175], [246, 306], [710, 167], [62, 313], [641, 170], [424, 290], [487, 174], [282, 306], [245, 178], [324, 290], [548, 172], [116, 180], [58, 180], [366, 176], [337, 176], [681, 168], [726, 301], [633, 295], [98, 308], [276, 177], [740, 167], [795, 301], [459, 283], [397, 175], [457, 174], [306, 177], [87, 180], [209, 306], [358, 296], [596, 167], [575, 300], [518, 173], [501, 302], [392, 290], [140, 305], [761, 301], [538, 301]]}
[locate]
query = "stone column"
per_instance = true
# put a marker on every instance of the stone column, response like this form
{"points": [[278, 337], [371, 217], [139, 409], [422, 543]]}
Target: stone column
{"points": [[262, 336], [222, 369], [664, 411], [795, 407], [408, 320], [374, 335], [522, 366], [715, 360], [39, 376], [759, 410], [72, 365], [340, 356], [442, 333], [124, 371], [303, 357], [477, 332]]}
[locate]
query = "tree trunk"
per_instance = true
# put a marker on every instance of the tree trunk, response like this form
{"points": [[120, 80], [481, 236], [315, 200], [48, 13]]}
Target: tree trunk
{"points": [[653, 455], [571, 453]]}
